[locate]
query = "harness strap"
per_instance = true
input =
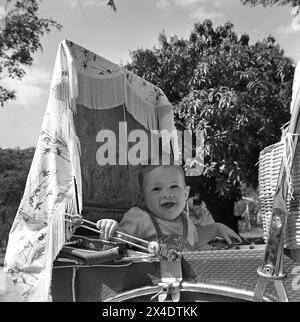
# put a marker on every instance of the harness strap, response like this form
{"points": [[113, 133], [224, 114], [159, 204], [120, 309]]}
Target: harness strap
{"points": [[158, 230]]}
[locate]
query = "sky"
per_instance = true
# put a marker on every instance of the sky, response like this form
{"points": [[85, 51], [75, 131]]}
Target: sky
{"points": [[136, 24]]}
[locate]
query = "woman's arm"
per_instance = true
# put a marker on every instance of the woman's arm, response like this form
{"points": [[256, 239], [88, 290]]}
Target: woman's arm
{"points": [[209, 232]]}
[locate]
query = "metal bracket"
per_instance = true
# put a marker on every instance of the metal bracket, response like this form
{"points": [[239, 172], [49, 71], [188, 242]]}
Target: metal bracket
{"points": [[266, 274], [75, 219], [171, 278]]}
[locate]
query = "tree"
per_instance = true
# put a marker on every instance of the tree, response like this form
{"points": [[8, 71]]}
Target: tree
{"points": [[237, 92], [267, 3], [14, 167], [112, 4], [20, 37]]}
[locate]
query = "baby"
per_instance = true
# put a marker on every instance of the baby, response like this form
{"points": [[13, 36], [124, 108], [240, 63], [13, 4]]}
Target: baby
{"points": [[164, 218]]}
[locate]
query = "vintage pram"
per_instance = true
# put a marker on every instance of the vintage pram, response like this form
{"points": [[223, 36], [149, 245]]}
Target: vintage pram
{"points": [[89, 268]]}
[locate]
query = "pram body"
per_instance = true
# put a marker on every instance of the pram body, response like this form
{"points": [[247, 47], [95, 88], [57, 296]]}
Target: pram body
{"points": [[85, 268], [108, 191], [219, 275]]}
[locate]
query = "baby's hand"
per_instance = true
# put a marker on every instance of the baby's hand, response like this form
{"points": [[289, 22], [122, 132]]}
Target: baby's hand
{"points": [[107, 227], [225, 232]]}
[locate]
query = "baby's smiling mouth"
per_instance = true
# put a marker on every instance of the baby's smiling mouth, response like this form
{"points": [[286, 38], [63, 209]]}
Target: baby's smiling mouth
{"points": [[168, 204]]}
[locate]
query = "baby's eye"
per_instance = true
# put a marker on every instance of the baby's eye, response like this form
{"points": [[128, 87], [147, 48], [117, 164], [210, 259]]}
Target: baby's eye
{"points": [[174, 186], [155, 189]]}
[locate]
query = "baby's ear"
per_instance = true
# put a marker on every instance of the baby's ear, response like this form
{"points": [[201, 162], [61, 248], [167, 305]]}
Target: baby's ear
{"points": [[187, 192]]}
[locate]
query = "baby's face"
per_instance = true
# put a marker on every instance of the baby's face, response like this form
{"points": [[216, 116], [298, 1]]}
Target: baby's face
{"points": [[165, 192]]}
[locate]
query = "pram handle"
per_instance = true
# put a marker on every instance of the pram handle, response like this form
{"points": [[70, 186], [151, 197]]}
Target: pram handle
{"points": [[153, 247]]}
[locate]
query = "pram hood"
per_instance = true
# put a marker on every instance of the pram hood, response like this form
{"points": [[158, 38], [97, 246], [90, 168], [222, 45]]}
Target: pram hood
{"points": [[88, 94]]}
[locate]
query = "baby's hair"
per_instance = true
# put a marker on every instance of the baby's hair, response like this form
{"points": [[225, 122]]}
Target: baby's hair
{"points": [[147, 168]]}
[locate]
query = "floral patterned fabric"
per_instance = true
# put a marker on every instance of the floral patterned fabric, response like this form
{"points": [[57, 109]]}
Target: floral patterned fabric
{"points": [[41, 224]]}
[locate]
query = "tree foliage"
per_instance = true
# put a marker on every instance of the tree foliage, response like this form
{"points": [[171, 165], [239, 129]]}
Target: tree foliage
{"points": [[267, 3], [14, 167], [237, 92], [112, 4], [19, 39]]}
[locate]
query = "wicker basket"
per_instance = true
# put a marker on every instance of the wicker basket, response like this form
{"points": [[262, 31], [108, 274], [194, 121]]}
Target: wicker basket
{"points": [[269, 167]]}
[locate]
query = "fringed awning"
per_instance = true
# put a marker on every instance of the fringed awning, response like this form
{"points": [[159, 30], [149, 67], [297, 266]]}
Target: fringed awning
{"points": [[39, 230], [96, 83]]}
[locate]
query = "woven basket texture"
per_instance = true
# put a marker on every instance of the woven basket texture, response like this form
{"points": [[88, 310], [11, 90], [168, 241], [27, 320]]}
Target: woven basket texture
{"points": [[269, 166]]}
